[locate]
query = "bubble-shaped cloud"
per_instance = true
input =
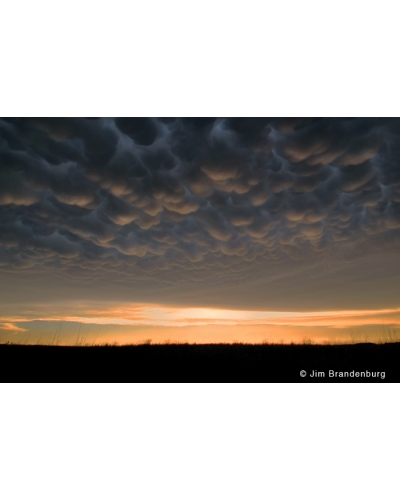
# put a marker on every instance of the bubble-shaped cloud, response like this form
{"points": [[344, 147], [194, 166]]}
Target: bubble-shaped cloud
{"points": [[132, 198]]}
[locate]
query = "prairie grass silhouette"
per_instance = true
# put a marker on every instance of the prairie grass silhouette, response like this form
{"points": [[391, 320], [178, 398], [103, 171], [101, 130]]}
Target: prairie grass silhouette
{"points": [[184, 362]]}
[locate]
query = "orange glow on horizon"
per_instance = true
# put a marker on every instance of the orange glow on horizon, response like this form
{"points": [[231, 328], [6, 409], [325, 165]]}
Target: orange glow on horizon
{"points": [[166, 316]]}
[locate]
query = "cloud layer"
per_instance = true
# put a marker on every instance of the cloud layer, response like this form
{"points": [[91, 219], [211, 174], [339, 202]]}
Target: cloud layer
{"points": [[149, 201]]}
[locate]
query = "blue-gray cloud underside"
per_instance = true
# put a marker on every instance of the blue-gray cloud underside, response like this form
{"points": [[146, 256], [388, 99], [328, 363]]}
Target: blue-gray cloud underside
{"points": [[274, 213]]}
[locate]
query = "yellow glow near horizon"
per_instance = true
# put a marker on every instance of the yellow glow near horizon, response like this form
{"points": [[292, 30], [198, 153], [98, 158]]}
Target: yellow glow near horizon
{"points": [[166, 316]]}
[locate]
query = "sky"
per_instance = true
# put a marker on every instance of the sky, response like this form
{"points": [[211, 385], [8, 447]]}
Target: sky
{"points": [[132, 230]]}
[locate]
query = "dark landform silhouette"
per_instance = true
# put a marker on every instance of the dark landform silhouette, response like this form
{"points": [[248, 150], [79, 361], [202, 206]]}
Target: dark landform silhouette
{"points": [[175, 363]]}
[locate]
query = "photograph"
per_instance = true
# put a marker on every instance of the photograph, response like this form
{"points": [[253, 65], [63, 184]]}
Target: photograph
{"points": [[199, 250], [142, 249]]}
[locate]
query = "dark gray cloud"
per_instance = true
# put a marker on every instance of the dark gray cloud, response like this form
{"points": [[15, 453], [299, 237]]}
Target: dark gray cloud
{"points": [[197, 200]]}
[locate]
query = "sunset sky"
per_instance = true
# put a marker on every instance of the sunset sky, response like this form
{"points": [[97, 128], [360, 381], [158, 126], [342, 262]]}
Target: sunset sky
{"points": [[199, 229]]}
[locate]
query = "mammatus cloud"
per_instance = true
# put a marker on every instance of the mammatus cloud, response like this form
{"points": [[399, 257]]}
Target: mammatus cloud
{"points": [[148, 201]]}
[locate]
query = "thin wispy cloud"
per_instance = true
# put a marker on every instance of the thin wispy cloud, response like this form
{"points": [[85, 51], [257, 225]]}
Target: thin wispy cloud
{"points": [[11, 327], [149, 315]]}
